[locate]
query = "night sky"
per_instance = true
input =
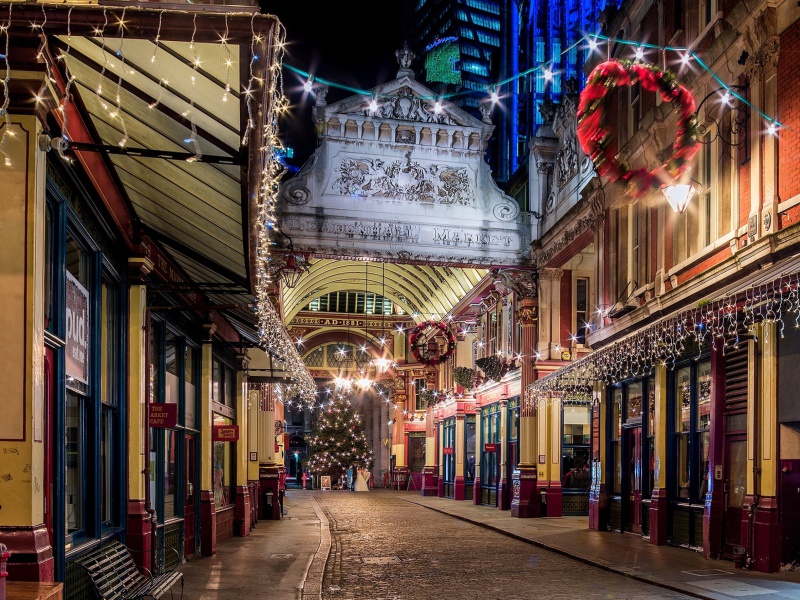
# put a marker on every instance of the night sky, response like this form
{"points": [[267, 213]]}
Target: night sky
{"points": [[349, 42]]}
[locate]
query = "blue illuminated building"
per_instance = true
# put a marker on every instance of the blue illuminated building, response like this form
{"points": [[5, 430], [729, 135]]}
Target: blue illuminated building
{"points": [[496, 41]]}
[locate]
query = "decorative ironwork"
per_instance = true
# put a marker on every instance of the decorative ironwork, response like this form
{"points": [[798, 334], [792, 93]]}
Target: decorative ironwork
{"points": [[731, 117]]}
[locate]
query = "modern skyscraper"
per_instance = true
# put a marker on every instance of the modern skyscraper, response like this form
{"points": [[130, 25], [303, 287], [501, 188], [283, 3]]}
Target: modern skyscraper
{"points": [[470, 46]]}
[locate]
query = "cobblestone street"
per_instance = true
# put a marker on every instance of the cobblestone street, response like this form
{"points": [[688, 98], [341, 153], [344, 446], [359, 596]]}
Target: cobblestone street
{"points": [[386, 548]]}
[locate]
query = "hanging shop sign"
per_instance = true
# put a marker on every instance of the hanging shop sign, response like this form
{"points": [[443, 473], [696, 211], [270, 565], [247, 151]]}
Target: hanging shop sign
{"points": [[77, 347], [448, 450], [226, 433], [162, 416], [490, 447]]}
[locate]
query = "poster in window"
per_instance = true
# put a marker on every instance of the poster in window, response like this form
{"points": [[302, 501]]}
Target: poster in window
{"points": [[77, 347]]}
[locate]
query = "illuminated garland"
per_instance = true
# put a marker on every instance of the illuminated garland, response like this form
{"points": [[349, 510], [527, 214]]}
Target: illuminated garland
{"points": [[711, 324], [595, 136], [424, 326]]}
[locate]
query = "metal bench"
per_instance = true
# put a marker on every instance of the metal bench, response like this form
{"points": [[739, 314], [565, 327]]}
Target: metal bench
{"points": [[116, 577]]}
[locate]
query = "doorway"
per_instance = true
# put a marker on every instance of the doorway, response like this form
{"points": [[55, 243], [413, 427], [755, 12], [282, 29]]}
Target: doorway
{"points": [[632, 499], [735, 469]]}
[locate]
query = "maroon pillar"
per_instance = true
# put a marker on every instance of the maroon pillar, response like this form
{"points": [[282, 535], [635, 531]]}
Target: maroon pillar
{"points": [[658, 517], [139, 534], [208, 524], [766, 553], [30, 554], [242, 525], [554, 500]]}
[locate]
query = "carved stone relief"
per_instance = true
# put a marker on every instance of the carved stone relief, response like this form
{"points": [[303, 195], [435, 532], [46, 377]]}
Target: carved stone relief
{"points": [[405, 106], [403, 180], [567, 159]]}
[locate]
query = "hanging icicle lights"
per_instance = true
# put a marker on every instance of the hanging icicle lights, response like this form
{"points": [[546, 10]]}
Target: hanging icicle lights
{"points": [[593, 43], [115, 26], [723, 323]]}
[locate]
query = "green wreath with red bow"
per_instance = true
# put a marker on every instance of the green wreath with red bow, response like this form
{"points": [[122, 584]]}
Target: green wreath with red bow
{"points": [[595, 136], [432, 361]]}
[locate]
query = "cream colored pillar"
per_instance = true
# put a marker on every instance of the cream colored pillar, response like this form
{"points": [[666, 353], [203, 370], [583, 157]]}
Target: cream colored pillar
{"points": [[208, 514], [768, 410], [22, 347]]}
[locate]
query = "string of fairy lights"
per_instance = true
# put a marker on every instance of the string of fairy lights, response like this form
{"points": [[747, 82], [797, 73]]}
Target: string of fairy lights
{"points": [[684, 59], [723, 323], [111, 29]]}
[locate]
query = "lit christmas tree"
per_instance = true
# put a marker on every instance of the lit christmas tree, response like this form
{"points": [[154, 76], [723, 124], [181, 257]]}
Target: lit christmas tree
{"points": [[338, 441]]}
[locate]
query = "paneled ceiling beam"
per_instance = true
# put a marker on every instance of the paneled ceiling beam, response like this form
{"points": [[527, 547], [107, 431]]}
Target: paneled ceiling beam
{"points": [[237, 159]]}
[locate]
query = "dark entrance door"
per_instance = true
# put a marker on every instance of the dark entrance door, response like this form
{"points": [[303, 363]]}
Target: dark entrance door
{"points": [[188, 509], [632, 500], [735, 466]]}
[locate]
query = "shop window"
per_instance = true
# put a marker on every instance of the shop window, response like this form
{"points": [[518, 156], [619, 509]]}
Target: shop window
{"points": [[75, 461], [575, 472], [469, 442], [691, 401], [616, 441], [170, 465], [490, 425], [223, 476], [419, 402], [449, 441]]}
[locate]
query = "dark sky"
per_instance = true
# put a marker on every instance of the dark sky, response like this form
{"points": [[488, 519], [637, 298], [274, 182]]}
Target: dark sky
{"points": [[347, 42]]}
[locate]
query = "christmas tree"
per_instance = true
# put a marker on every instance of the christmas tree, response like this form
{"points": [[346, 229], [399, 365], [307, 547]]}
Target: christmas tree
{"points": [[338, 441]]}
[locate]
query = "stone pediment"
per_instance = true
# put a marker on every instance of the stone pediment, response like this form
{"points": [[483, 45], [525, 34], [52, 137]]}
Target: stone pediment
{"points": [[402, 182], [403, 99]]}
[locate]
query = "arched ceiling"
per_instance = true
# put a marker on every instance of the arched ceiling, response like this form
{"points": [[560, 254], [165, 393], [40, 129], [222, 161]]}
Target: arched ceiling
{"points": [[421, 289]]}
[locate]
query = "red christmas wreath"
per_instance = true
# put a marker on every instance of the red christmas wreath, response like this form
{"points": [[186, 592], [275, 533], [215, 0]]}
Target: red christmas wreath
{"points": [[434, 360], [595, 137]]}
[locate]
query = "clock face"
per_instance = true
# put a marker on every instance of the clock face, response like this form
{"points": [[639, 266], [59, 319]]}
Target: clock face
{"points": [[566, 355]]}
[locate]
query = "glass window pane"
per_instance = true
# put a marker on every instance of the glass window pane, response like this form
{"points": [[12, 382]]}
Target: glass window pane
{"points": [[230, 389], [633, 409], [106, 463], [616, 420], [223, 467], [469, 431], [703, 395], [703, 443], [617, 454], [682, 465], [737, 475], [169, 473], [109, 343], [74, 464], [216, 380], [154, 366], [171, 358], [684, 399]]}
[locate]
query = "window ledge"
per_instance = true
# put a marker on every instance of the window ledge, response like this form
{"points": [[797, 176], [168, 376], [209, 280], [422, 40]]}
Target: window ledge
{"points": [[724, 241]]}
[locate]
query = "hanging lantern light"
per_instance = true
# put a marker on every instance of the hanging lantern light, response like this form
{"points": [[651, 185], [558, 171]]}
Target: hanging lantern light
{"points": [[679, 195]]}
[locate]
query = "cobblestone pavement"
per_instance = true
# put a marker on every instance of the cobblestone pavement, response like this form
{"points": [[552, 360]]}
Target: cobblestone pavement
{"points": [[385, 548]]}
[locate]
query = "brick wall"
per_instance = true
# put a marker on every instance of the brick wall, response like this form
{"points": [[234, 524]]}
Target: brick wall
{"points": [[789, 112], [566, 308]]}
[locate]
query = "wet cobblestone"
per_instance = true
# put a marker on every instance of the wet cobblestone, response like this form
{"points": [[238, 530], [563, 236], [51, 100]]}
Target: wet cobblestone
{"points": [[385, 548]]}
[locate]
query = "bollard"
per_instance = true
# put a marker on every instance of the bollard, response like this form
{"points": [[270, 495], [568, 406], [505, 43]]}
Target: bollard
{"points": [[4, 556]]}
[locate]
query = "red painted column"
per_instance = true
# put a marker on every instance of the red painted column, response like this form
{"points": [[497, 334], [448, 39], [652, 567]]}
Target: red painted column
{"points": [[715, 498], [526, 501], [31, 556], [208, 523]]}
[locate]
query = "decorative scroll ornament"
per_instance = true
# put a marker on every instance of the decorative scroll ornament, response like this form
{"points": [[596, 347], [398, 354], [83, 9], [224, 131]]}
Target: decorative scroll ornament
{"points": [[428, 360], [595, 136]]}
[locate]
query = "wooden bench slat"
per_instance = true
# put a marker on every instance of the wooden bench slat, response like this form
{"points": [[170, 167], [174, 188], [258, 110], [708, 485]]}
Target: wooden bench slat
{"points": [[115, 576]]}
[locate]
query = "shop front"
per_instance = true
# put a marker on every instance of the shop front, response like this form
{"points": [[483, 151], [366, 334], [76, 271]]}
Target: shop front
{"points": [[447, 474], [491, 443]]}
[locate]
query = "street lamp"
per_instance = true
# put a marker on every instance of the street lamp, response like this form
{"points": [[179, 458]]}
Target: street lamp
{"points": [[679, 195]]}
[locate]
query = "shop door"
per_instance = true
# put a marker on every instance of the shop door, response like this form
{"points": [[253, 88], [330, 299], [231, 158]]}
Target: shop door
{"points": [[735, 485], [632, 504], [188, 510]]}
